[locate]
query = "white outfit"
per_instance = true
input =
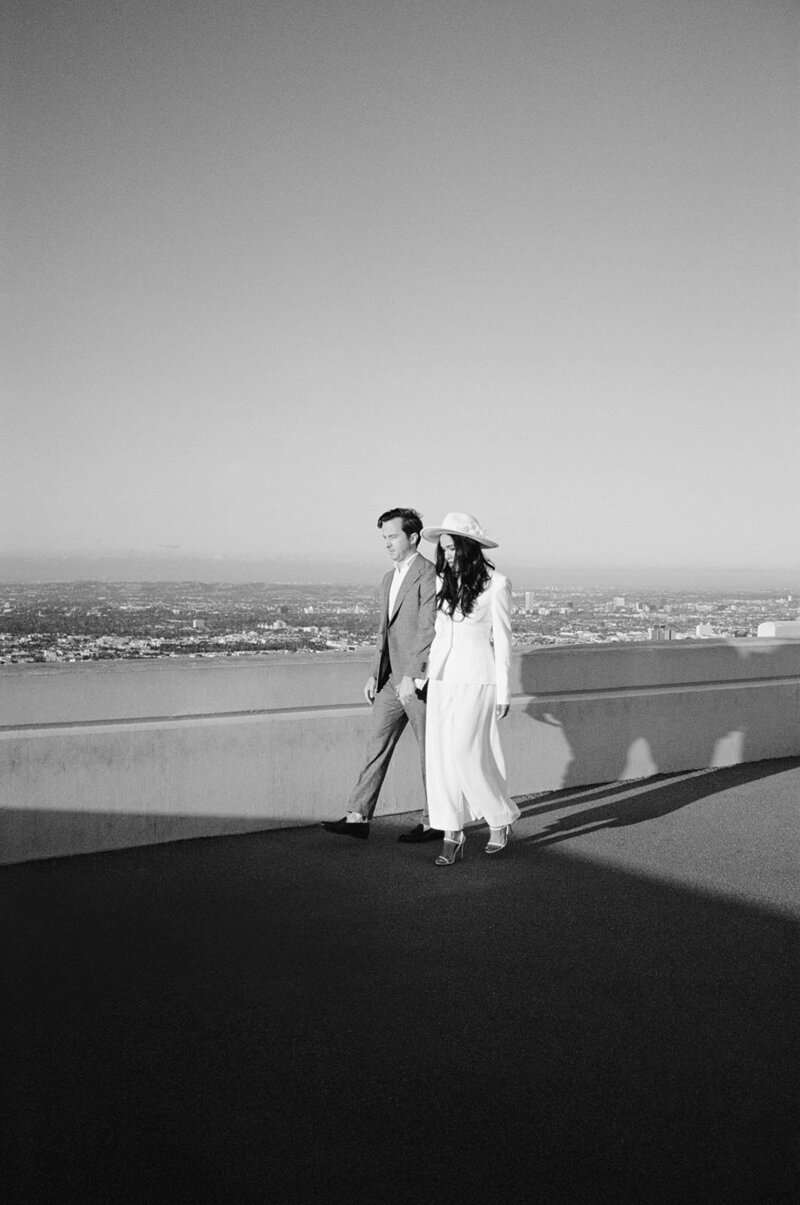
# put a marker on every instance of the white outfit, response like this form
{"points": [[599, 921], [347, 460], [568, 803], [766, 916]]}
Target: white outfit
{"points": [[468, 673]]}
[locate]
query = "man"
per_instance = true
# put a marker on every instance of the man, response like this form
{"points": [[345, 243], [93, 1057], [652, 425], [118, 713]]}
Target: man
{"points": [[405, 632]]}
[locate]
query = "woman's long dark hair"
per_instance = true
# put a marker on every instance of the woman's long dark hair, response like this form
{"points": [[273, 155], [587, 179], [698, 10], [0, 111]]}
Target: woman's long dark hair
{"points": [[466, 581]]}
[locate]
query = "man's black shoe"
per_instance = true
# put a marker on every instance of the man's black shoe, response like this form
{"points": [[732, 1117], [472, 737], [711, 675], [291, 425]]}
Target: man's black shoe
{"points": [[347, 828], [420, 833]]}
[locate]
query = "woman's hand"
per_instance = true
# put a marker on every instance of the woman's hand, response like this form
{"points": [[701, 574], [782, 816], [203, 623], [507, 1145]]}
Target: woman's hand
{"points": [[501, 711]]}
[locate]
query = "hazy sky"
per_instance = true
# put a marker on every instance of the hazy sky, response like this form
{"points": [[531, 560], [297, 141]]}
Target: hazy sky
{"points": [[272, 267]]}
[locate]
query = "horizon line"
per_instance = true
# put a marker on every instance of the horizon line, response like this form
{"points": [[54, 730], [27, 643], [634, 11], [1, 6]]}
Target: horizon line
{"points": [[368, 560]]}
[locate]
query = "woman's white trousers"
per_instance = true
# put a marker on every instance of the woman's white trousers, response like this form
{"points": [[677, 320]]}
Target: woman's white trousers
{"points": [[464, 765]]}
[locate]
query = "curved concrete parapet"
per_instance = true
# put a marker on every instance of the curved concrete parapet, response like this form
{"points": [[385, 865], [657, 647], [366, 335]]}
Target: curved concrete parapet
{"points": [[106, 755]]}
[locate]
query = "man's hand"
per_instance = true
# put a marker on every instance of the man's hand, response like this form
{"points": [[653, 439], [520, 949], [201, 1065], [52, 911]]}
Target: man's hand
{"points": [[406, 690], [501, 710], [369, 691]]}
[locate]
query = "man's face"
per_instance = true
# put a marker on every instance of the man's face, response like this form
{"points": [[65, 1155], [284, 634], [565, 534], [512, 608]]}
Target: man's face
{"points": [[398, 544]]}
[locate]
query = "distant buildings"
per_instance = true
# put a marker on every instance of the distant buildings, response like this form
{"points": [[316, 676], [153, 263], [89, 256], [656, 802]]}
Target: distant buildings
{"points": [[90, 621], [790, 630]]}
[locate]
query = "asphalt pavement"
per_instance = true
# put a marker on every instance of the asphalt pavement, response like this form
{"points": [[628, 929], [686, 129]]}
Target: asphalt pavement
{"points": [[606, 1012]]}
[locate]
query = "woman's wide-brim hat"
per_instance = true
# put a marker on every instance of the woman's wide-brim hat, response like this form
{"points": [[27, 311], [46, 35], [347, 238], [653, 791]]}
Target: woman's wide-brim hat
{"points": [[459, 524]]}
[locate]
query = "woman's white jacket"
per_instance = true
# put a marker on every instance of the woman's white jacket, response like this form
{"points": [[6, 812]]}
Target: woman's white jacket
{"points": [[476, 648]]}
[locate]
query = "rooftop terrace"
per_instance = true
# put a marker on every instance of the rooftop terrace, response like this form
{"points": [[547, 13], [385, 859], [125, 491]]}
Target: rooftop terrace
{"points": [[607, 1012]]}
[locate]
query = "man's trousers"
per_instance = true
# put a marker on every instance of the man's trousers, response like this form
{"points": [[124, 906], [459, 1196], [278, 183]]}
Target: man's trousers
{"points": [[389, 718]]}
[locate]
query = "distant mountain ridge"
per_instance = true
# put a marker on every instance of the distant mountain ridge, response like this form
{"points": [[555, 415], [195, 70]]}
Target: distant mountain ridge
{"points": [[307, 571]]}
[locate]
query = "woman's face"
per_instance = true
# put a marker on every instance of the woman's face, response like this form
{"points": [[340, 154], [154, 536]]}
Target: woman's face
{"points": [[449, 549]]}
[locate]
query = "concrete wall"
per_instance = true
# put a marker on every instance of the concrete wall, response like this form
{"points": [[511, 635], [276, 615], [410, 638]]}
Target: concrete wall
{"points": [[104, 755]]}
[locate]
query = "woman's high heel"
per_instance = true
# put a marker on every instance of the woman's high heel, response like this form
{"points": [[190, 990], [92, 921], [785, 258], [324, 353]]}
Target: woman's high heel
{"points": [[456, 851], [494, 847]]}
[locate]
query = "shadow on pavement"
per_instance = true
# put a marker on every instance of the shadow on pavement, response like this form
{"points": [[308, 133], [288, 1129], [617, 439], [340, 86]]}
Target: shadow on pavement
{"points": [[638, 801], [290, 1017]]}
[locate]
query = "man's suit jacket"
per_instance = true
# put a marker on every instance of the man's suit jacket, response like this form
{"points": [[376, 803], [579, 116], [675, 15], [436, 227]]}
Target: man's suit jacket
{"points": [[404, 637]]}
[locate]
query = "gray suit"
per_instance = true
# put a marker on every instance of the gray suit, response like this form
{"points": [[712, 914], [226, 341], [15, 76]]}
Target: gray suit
{"points": [[401, 649]]}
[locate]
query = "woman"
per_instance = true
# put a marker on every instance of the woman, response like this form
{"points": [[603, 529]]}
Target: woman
{"points": [[468, 692]]}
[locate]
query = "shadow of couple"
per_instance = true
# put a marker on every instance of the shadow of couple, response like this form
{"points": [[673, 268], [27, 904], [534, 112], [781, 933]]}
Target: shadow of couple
{"points": [[618, 805]]}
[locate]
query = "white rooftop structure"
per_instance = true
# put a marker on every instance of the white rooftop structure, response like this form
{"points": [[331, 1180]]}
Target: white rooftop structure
{"points": [[786, 630]]}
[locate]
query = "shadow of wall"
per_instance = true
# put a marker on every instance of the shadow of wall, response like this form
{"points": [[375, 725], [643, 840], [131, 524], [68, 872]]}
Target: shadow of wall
{"points": [[187, 1022]]}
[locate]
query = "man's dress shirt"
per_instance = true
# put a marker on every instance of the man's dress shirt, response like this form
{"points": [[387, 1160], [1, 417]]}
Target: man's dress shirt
{"points": [[400, 570]]}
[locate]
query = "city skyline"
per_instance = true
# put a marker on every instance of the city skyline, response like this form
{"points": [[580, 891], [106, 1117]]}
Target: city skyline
{"points": [[272, 269], [93, 620]]}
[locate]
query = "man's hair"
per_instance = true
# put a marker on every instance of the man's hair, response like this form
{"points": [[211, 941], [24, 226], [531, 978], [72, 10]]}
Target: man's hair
{"points": [[411, 520]]}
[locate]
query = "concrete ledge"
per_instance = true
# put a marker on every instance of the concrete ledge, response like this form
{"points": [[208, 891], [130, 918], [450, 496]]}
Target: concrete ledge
{"points": [[103, 756], [181, 686]]}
